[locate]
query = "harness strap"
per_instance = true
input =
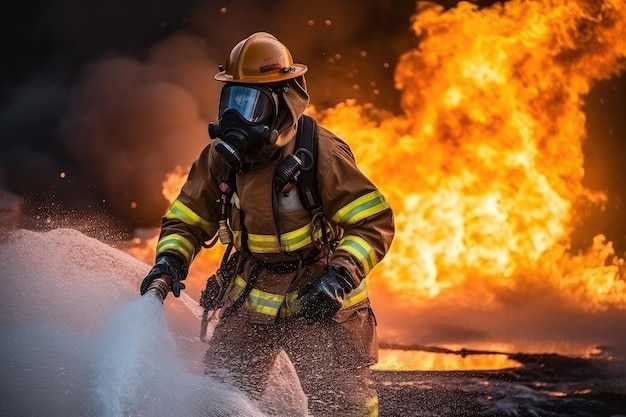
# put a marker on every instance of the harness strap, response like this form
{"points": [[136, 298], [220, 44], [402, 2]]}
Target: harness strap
{"points": [[244, 233], [287, 267], [306, 138], [274, 267]]}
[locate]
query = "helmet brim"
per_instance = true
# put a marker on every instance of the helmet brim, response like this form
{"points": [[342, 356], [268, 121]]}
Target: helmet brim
{"points": [[272, 77]]}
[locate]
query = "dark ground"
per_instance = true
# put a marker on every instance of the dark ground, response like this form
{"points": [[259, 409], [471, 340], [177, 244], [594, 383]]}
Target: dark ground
{"points": [[545, 385]]}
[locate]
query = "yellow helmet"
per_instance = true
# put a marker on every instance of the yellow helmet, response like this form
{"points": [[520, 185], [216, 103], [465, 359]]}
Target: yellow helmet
{"points": [[260, 58]]}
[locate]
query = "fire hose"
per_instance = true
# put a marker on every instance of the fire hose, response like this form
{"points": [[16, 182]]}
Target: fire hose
{"points": [[160, 287]]}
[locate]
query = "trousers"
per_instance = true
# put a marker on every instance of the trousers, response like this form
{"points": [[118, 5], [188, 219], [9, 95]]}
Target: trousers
{"points": [[331, 359]]}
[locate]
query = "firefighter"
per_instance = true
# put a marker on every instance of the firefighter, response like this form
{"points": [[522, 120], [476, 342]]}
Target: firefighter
{"points": [[295, 280]]}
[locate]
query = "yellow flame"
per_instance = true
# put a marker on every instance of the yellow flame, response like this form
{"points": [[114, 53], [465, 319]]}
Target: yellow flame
{"points": [[417, 360], [484, 167]]}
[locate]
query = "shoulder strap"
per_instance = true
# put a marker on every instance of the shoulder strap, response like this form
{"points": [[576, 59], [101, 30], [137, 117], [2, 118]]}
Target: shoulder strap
{"points": [[307, 181]]}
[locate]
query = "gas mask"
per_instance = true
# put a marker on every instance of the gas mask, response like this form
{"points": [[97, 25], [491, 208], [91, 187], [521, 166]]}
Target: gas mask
{"points": [[247, 115]]}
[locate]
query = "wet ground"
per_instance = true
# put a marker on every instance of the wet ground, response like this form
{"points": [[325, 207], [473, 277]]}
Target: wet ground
{"points": [[545, 386]]}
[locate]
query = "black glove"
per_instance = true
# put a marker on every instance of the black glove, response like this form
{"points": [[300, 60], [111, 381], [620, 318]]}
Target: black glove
{"points": [[323, 298], [167, 265]]}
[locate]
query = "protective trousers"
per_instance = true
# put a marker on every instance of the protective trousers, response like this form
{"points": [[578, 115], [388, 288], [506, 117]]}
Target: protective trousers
{"points": [[331, 359]]}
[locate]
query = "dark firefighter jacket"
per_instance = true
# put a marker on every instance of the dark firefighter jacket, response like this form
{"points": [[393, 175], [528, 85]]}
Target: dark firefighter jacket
{"points": [[279, 228]]}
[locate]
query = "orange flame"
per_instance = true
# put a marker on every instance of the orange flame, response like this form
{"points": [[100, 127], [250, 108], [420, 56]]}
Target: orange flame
{"points": [[484, 171], [411, 360], [485, 167]]}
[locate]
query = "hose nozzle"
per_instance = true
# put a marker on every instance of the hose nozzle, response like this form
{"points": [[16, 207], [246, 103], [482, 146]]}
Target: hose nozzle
{"points": [[160, 287]]}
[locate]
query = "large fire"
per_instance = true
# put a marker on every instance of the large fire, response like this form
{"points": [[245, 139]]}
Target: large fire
{"points": [[484, 171]]}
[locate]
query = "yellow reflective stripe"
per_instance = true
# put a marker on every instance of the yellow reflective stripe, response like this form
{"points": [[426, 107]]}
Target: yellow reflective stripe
{"points": [[289, 242], [238, 287], [263, 243], [362, 207], [298, 238], [177, 243], [264, 302], [259, 301], [267, 303], [186, 215], [371, 405], [359, 249], [356, 296]]}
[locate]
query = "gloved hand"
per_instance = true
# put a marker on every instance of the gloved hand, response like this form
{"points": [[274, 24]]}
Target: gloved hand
{"points": [[323, 298], [167, 265]]}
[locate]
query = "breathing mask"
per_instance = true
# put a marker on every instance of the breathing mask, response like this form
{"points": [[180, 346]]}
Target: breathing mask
{"points": [[247, 115]]}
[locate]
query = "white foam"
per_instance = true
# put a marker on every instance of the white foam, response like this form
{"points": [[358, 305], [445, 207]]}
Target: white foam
{"points": [[78, 340]]}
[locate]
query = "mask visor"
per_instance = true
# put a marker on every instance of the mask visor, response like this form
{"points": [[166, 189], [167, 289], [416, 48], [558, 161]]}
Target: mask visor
{"points": [[254, 105]]}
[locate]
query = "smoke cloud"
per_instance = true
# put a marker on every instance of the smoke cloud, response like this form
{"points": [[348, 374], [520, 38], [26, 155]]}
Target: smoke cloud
{"points": [[132, 121], [101, 102], [113, 97]]}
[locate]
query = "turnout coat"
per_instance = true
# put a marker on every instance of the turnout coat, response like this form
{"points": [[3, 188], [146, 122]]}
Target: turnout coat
{"points": [[275, 228]]}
